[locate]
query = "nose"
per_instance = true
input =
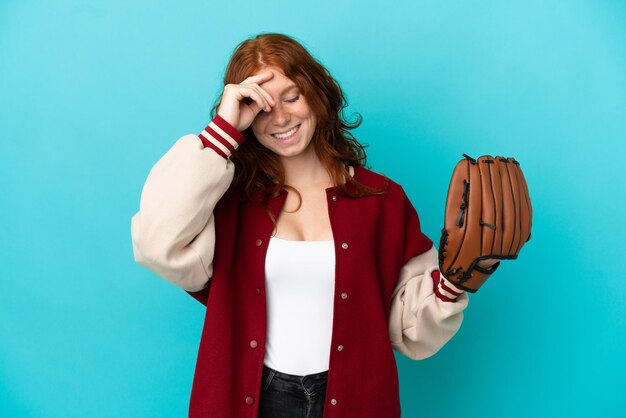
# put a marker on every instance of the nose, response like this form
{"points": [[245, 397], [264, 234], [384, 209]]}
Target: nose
{"points": [[280, 116]]}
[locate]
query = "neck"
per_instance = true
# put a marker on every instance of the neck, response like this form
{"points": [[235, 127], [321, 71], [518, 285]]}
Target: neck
{"points": [[305, 171]]}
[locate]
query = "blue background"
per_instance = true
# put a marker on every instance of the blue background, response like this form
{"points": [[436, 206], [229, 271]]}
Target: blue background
{"points": [[92, 93]]}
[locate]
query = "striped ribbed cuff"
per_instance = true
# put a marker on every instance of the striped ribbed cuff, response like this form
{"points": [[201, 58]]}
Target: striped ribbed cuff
{"points": [[221, 136], [444, 290]]}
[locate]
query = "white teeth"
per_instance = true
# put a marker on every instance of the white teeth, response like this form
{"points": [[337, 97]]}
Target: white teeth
{"points": [[286, 134]]}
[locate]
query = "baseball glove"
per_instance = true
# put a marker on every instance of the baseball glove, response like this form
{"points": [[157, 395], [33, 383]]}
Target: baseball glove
{"points": [[488, 216]]}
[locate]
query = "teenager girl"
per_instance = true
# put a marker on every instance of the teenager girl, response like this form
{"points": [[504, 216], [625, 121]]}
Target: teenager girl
{"points": [[313, 268]]}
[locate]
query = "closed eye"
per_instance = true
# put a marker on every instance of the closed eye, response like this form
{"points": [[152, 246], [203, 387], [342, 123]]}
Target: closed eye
{"points": [[294, 99]]}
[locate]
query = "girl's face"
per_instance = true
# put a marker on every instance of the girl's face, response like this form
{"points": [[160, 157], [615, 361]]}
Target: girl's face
{"points": [[288, 128]]}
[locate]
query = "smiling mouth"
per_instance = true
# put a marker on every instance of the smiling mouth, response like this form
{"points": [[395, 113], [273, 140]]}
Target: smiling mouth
{"points": [[286, 135]]}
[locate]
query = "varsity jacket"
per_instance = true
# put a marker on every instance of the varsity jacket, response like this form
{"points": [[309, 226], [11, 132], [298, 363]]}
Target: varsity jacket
{"points": [[193, 230]]}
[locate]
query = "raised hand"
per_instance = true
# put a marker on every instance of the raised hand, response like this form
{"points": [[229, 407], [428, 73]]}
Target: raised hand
{"points": [[242, 102]]}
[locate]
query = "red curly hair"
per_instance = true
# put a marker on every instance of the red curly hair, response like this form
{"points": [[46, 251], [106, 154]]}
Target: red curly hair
{"points": [[258, 169]]}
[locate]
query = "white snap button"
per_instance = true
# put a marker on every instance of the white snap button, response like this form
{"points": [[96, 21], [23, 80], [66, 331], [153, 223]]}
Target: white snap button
{"points": [[344, 245]]}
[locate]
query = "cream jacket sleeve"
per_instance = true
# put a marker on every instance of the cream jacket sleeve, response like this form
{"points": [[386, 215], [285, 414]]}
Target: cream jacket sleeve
{"points": [[173, 233], [426, 309]]}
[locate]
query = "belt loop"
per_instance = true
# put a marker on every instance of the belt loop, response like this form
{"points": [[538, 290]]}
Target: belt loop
{"points": [[270, 376]]}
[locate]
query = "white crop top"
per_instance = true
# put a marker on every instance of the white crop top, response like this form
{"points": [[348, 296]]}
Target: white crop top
{"points": [[300, 284]]}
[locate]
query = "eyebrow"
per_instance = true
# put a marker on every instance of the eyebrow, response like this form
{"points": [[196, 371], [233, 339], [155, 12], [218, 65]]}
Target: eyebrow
{"points": [[293, 86]]}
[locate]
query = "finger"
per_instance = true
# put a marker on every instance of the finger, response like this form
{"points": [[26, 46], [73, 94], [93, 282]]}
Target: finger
{"points": [[473, 230], [258, 79], [517, 206], [496, 183], [247, 90], [525, 208], [490, 205], [265, 94], [256, 109], [509, 212], [264, 76]]}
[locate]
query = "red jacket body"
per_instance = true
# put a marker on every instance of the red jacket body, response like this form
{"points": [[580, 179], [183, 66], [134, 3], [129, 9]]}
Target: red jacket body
{"points": [[381, 254]]}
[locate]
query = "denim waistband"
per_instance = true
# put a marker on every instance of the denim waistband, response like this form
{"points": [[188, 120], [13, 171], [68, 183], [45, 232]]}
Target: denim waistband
{"points": [[300, 380]]}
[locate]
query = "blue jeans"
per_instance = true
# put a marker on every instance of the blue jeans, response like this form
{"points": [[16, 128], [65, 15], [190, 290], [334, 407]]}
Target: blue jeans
{"points": [[289, 396]]}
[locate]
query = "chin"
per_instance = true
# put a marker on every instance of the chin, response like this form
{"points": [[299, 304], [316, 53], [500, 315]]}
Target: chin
{"points": [[288, 154]]}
